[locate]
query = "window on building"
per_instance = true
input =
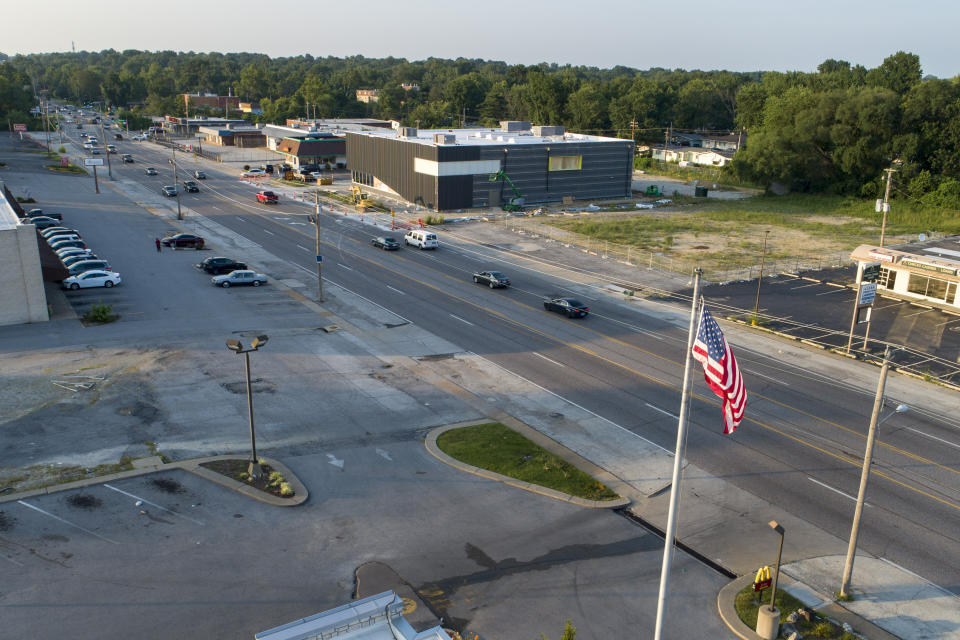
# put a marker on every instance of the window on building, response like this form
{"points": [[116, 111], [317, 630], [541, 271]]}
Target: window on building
{"points": [[566, 163], [888, 277], [932, 287]]}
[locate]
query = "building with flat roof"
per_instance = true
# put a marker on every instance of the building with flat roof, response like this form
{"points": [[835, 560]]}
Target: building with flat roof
{"points": [[21, 288], [378, 617], [928, 271], [211, 100], [447, 169]]}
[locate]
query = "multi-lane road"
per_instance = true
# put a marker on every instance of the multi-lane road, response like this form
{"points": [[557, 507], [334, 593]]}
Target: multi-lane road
{"points": [[800, 446]]}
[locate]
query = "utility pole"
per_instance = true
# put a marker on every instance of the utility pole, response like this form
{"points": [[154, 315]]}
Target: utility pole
{"points": [[886, 204], [46, 121], [316, 225], [763, 258], [865, 474], [633, 130], [173, 152], [106, 151]]}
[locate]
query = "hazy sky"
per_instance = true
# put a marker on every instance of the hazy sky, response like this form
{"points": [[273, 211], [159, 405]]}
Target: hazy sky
{"points": [[737, 35]]}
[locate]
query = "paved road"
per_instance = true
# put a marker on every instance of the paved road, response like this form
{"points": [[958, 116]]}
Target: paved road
{"points": [[623, 363]]}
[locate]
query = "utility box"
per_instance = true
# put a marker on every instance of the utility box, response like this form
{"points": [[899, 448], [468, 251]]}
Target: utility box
{"points": [[444, 138], [548, 130], [699, 192]]}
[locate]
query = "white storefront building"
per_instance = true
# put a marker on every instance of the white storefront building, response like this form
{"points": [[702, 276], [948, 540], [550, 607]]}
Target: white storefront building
{"points": [[929, 273]]}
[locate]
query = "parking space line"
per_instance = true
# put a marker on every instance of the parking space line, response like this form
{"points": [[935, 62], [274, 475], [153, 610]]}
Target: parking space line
{"points": [[947, 322], [804, 286], [910, 315], [58, 518], [153, 504], [826, 293]]}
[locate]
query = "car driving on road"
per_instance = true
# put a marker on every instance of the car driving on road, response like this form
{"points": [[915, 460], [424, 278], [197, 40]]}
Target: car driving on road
{"points": [[239, 277], [267, 197], [492, 279], [386, 243], [183, 240], [571, 307], [199, 175], [168, 190], [150, 171], [190, 186]]}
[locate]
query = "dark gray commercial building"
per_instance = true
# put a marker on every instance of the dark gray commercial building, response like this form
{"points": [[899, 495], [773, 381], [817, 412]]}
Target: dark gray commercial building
{"points": [[452, 168]]}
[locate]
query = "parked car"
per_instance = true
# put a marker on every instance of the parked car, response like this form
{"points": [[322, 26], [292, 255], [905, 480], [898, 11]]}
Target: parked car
{"points": [[41, 222], [238, 277], [63, 236], [571, 307], [63, 244], [199, 175], [253, 173], [150, 171], [492, 279], [267, 197], [138, 137], [52, 231], [127, 157], [93, 278], [88, 265], [219, 264], [33, 213], [386, 243], [267, 168], [168, 190], [190, 186], [183, 240], [421, 238], [72, 251], [72, 260]]}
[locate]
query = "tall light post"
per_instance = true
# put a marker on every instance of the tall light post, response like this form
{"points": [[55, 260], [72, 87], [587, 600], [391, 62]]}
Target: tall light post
{"points": [[763, 259], [106, 152], [886, 204], [235, 345], [173, 161], [768, 618], [865, 471], [316, 226]]}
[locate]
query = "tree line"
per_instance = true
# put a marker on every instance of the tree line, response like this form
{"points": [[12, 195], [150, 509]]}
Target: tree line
{"points": [[832, 130]]}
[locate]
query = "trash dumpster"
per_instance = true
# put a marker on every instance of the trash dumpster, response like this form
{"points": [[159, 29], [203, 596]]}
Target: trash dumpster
{"points": [[699, 192]]}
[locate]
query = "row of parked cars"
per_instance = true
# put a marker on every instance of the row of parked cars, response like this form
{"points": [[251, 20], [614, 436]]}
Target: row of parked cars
{"points": [[84, 268]]}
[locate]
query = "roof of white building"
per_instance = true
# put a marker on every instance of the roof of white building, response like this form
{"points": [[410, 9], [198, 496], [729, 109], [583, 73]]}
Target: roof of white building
{"points": [[482, 137]]}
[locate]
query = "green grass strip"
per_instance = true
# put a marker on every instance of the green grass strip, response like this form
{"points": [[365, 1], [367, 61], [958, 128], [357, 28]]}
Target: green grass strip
{"points": [[495, 447]]}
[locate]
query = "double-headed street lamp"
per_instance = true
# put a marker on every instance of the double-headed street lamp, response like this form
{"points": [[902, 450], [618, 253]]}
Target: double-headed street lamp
{"points": [[237, 347]]}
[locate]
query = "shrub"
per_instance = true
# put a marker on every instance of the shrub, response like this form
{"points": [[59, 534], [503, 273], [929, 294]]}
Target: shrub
{"points": [[286, 490], [100, 313], [62, 149], [431, 219]]}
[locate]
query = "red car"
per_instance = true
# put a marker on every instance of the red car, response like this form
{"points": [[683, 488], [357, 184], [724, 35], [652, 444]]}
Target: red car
{"points": [[267, 197], [183, 240]]}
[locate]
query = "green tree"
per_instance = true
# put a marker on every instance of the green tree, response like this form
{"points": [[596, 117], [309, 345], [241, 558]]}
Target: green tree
{"points": [[586, 109], [898, 72]]}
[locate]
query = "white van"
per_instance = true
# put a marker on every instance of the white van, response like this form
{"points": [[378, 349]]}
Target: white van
{"points": [[421, 238]]}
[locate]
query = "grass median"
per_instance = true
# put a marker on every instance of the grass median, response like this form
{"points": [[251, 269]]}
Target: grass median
{"points": [[495, 447]]}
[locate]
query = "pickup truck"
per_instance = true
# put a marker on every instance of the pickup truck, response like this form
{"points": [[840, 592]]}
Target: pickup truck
{"points": [[33, 213], [267, 197]]}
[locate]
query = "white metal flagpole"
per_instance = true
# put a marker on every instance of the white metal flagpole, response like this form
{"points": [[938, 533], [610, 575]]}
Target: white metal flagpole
{"points": [[678, 459]]}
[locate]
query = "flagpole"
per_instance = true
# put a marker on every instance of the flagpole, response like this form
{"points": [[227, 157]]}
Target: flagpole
{"points": [[678, 459]]}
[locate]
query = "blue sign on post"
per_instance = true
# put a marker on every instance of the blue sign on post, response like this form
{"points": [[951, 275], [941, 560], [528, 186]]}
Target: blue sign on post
{"points": [[319, 258]]}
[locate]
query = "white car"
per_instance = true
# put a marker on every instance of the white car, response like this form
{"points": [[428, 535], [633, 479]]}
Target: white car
{"points": [[73, 251], [92, 279], [63, 236], [238, 277], [253, 173], [139, 137]]}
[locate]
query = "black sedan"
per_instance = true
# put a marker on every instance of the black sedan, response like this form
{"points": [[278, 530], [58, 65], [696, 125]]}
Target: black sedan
{"points": [[190, 186], [492, 279], [218, 264], [183, 240], [569, 306], [168, 190], [386, 243]]}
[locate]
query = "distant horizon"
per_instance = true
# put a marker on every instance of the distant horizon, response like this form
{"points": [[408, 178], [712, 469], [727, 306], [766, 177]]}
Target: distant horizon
{"points": [[742, 36]]}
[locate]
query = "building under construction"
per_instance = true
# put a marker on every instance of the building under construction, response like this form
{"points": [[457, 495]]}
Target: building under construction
{"points": [[516, 164]]}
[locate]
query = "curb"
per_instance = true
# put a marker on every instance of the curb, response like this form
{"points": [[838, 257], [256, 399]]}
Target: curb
{"points": [[728, 613], [434, 450], [191, 466]]}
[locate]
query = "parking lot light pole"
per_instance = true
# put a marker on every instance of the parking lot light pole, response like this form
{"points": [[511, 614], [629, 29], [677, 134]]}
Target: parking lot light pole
{"points": [[763, 259], [173, 161], [237, 347], [768, 618], [316, 226]]}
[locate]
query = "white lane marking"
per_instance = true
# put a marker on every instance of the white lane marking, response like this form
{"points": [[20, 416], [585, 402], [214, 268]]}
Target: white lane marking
{"points": [[241, 218], [574, 404], [547, 359], [661, 410], [845, 495], [47, 513], [397, 290], [384, 454], [947, 442], [213, 206], [351, 292], [152, 504], [754, 373], [303, 247], [461, 320], [335, 461], [340, 264], [579, 295], [268, 232]]}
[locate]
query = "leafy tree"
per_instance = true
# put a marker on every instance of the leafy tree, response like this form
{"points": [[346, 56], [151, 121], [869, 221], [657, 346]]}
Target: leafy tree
{"points": [[898, 72], [586, 109]]}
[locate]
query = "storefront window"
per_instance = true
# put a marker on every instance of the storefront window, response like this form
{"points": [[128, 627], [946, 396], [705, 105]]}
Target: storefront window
{"points": [[888, 277], [932, 288]]}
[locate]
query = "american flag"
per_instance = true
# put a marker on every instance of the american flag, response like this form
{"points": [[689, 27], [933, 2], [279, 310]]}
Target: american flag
{"points": [[720, 370]]}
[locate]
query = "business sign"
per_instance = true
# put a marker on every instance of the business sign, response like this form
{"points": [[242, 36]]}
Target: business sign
{"points": [[882, 257], [871, 272], [319, 259], [93, 162], [868, 293], [64, 162], [762, 579], [928, 267], [19, 127]]}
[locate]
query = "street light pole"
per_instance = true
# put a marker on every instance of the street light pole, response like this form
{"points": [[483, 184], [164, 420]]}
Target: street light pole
{"points": [[253, 468], [106, 151], [316, 226], [865, 473], [763, 259], [886, 204], [173, 152]]}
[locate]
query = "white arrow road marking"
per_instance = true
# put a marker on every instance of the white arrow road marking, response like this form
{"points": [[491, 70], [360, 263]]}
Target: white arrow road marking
{"points": [[335, 461], [384, 454]]}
